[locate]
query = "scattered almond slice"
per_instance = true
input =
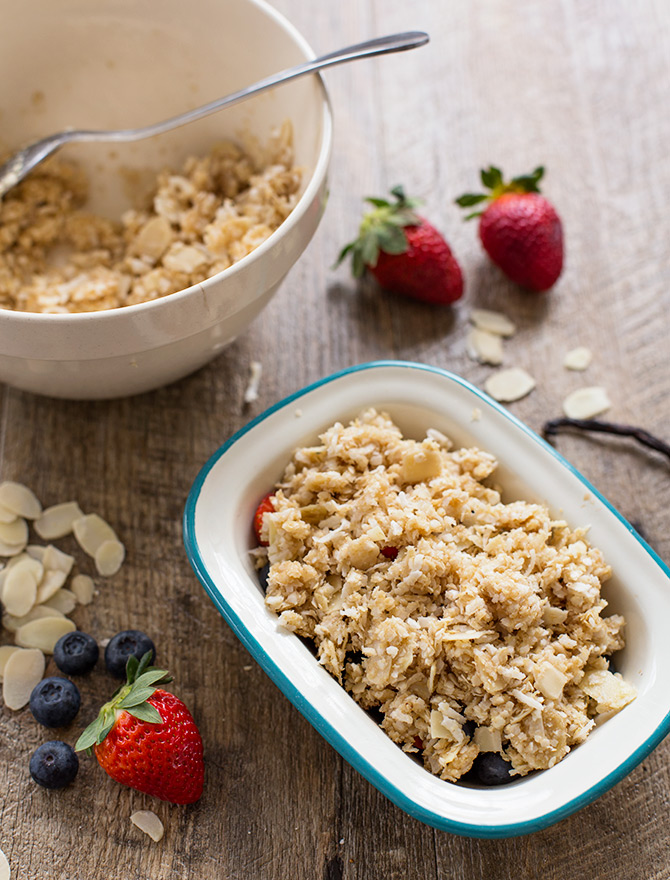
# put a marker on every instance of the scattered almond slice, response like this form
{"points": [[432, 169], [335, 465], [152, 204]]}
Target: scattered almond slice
{"points": [[19, 499], [508, 385], [484, 347], [63, 600], [56, 521], [37, 551], [255, 372], [6, 652], [91, 532], [23, 670], [20, 588], [14, 533], [109, 557], [492, 322], [82, 586], [56, 560], [584, 403], [12, 623], [578, 358], [50, 584], [148, 822], [43, 633], [5, 872], [6, 515]]}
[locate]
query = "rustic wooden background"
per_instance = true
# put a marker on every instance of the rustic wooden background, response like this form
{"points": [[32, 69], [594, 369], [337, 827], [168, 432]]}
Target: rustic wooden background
{"points": [[581, 87]]}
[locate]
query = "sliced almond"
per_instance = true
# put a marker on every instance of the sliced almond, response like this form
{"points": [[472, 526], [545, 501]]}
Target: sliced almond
{"points": [[56, 521], [51, 583], [15, 532], [55, 560], [492, 322], [37, 551], [91, 532], [148, 822], [109, 557], [82, 586], [6, 515], [19, 499], [6, 652], [43, 633], [154, 238], [19, 592], [509, 385], [23, 670], [63, 600], [484, 347], [584, 403], [578, 358], [12, 623], [5, 872]]}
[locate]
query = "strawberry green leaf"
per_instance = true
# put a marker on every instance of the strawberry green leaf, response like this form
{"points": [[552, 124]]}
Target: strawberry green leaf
{"points": [[469, 199], [87, 739], [357, 264], [491, 177], [102, 733], [378, 203], [392, 240], [132, 664], [529, 182], [135, 697], [152, 677], [347, 249], [472, 215], [370, 249], [146, 712]]}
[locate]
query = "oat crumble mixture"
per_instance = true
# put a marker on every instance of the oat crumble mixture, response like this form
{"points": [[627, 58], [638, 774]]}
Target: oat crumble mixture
{"points": [[490, 612], [56, 257]]}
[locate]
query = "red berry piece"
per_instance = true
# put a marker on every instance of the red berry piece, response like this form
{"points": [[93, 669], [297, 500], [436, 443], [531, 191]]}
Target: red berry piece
{"points": [[266, 505]]}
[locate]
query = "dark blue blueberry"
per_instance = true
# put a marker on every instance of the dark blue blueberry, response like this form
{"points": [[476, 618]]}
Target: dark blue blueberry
{"points": [[469, 729], [492, 769], [55, 701], [76, 653], [130, 642], [54, 764], [263, 576]]}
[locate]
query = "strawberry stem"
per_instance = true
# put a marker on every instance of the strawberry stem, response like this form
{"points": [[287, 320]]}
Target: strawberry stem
{"points": [[142, 681], [492, 178]]}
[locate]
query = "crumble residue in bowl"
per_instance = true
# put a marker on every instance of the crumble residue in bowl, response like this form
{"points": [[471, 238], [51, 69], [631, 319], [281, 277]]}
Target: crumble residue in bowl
{"points": [[55, 257], [436, 603]]}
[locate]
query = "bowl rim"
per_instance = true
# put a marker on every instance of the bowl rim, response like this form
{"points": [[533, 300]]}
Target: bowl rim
{"points": [[301, 207], [305, 707]]}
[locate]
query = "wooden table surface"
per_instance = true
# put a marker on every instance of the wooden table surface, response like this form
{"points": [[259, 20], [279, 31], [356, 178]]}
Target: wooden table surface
{"points": [[581, 87]]}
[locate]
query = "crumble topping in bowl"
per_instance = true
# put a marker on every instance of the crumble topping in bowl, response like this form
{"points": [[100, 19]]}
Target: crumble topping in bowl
{"points": [[472, 626], [55, 257]]}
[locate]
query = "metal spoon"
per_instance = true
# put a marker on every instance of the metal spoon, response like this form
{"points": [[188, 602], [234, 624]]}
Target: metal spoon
{"points": [[21, 163]]}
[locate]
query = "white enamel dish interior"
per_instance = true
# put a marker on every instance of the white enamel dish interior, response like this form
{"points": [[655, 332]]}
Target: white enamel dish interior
{"points": [[218, 536]]}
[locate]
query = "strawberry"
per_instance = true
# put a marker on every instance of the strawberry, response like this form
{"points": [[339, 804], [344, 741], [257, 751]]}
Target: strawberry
{"points": [[520, 229], [266, 505], [146, 738], [404, 252]]}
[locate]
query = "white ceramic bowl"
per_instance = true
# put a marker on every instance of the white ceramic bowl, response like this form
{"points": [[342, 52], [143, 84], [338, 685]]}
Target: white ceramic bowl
{"points": [[218, 536], [114, 64]]}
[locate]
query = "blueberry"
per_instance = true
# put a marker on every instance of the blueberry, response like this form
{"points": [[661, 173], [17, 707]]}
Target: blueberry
{"points": [[55, 701], [263, 576], [123, 645], [492, 769], [54, 764], [76, 653]]}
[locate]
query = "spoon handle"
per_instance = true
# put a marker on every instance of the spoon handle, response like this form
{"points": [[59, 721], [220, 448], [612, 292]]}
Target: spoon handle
{"points": [[378, 46]]}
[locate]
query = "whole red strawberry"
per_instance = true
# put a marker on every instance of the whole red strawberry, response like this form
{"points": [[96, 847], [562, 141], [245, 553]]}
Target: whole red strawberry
{"points": [[147, 739], [404, 252], [520, 229]]}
